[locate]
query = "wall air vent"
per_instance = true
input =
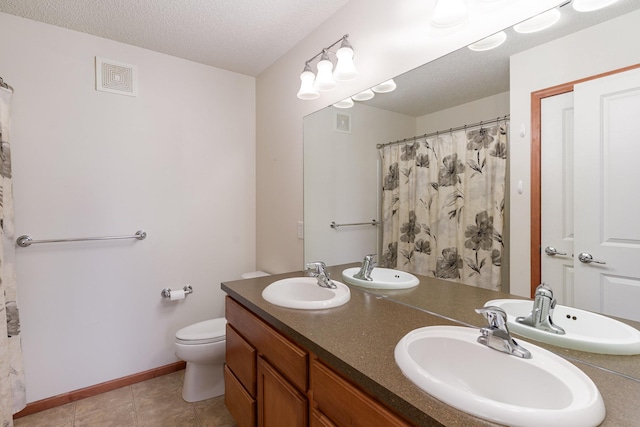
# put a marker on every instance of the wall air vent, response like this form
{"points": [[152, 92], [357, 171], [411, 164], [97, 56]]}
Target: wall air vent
{"points": [[116, 77]]}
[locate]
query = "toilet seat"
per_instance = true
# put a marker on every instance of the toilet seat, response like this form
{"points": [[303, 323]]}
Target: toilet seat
{"points": [[209, 331]]}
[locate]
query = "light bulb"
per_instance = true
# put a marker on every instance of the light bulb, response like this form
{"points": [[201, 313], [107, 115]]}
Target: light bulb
{"points": [[345, 68], [324, 79], [307, 91]]}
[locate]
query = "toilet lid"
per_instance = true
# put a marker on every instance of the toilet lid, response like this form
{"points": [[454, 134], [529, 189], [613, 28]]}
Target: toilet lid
{"points": [[208, 331]]}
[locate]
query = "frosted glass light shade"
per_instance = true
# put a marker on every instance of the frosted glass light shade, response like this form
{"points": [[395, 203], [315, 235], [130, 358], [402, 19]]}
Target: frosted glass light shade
{"points": [[385, 87], [324, 79], [307, 91], [345, 103], [489, 43], [345, 68], [449, 13], [591, 5], [365, 95], [538, 22]]}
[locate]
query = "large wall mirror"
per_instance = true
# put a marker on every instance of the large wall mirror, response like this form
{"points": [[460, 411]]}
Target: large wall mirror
{"points": [[341, 162]]}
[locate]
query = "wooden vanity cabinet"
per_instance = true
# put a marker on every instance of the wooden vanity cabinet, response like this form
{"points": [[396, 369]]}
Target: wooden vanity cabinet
{"points": [[270, 382], [271, 370]]}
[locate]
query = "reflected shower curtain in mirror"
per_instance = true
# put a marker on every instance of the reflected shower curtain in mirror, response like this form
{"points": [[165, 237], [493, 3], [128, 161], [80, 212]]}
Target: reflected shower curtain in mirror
{"points": [[12, 390], [443, 205]]}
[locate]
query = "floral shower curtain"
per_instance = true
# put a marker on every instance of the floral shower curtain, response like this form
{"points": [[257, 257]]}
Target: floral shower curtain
{"points": [[443, 205], [12, 391]]}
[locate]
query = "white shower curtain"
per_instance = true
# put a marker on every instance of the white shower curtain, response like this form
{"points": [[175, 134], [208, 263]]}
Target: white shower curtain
{"points": [[443, 205], [12, 390]]}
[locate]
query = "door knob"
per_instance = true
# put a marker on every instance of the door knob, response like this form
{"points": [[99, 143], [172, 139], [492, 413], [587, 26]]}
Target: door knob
{"points": [[550, 250], [588, 259]]}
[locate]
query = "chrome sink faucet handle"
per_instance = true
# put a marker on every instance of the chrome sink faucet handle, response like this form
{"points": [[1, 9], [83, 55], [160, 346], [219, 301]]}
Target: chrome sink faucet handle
{"points": [[497, 336], [368, 264], [318, 269], [541, 316]]}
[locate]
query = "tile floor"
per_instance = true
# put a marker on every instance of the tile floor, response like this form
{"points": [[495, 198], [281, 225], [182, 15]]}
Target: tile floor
{"points": [[153, 403]]}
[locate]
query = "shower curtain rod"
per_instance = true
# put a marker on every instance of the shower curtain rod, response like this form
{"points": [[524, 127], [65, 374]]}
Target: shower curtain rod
{"points": [[5, 85], [426, 135]]}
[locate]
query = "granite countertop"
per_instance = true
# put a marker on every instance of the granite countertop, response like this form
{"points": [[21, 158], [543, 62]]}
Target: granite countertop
{"points": [[358, 340]]}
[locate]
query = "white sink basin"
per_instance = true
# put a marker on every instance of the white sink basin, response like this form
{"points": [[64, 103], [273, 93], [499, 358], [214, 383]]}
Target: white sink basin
{"points": [[585, 331], [546, 390], [303, 293], [383, 278]]}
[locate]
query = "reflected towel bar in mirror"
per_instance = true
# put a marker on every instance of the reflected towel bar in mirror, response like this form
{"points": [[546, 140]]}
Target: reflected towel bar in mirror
{"points": [[26, 240], [373, 222]]}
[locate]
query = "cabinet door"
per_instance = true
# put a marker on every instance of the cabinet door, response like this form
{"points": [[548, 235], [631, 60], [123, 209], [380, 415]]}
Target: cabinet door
{"points": [[279, 403]]}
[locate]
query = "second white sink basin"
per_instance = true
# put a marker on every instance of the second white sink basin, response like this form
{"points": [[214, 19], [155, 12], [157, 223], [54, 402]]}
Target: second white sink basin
{"points": [[383, 278], [584, 330], [448, 363], [303, 293]]}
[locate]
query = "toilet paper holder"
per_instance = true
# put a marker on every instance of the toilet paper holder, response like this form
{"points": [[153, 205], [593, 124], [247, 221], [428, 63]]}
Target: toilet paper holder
{"points": [[166, 292]]}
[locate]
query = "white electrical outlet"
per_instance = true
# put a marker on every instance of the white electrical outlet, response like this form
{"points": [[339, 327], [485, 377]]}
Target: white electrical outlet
{"points": [[300, 230]]}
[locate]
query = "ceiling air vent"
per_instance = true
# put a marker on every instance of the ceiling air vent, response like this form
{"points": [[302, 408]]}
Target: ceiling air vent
{"points": [[116, 77]]}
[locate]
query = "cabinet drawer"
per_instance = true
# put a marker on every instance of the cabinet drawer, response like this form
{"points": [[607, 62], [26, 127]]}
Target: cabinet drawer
{"points": [[241, 406], [241, 359], [317, 419], [344, 404], [288, 358]]}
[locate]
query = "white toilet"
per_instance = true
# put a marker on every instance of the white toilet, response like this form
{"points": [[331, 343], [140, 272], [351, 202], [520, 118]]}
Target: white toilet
{"points": [[202, 346]]}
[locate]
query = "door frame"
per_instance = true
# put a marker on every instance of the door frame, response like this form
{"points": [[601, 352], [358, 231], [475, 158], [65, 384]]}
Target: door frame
{"points": [[536, 166]]}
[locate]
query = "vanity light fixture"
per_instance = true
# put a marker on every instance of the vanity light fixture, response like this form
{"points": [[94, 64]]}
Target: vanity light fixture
{"points": [[307, 91], [538, 23], [449, 14], [489, 43], [326, 77], [385, 87], [591, 5]]}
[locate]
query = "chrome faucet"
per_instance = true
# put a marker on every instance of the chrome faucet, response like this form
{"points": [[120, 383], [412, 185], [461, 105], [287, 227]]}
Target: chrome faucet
{"points": [[318, 269], [368, 264], [542, 312], [497, 336]]}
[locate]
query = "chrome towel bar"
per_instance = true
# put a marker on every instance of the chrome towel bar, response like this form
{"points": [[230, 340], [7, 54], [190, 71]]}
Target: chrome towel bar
{"points": [[25, 240], [373, 222]]}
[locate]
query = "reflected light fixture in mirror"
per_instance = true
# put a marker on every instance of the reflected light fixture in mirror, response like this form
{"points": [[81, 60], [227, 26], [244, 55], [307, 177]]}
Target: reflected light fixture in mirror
{"points": [[449, 14], [345, 103], [591, 5], [538, 22], [385, 87], [365, 95], [489, 43]]}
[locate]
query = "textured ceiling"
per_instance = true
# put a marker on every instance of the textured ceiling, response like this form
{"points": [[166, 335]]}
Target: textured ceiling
{"points": [[245, 36], [464, 76]]}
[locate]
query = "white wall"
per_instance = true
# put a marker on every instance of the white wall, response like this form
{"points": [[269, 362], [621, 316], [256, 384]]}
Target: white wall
{"points": [[341, 180], [490, 107], [177, 161], [598, 49], [387, 40]]}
